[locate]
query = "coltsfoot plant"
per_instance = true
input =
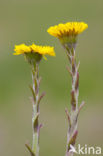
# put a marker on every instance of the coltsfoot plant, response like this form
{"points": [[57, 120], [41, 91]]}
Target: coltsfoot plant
{"points": [[33, 54], [67, 34]]}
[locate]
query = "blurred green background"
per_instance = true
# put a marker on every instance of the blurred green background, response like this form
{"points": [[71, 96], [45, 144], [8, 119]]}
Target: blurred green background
{"points": [[26, 21]]}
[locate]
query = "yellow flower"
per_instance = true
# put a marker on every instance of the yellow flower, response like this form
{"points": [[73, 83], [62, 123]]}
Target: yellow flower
{"points": [[67, 29], [42, 50]]}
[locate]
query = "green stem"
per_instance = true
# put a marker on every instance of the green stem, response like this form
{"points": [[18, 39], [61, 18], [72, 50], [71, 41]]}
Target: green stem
{"points": [[72, 128], [35, 117], [35, 120]]}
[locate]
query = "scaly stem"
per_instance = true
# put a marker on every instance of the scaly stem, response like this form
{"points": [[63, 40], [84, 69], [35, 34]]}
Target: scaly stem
{"points": [[73, 116], [35, 117], [35, 121]]}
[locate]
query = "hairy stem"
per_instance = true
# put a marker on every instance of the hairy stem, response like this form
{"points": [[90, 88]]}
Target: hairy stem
{"points": [[35, 117], [73, 116], [34, 151]]}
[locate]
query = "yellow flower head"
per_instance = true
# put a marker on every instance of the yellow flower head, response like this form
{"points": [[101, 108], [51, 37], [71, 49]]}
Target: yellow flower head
{"points": [[33, 53], [67, 33], [42, 50], [67, 29]]}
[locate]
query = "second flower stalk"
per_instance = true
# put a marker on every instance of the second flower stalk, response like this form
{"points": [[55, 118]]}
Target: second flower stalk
{"points": [[67, 34], [73, 115]]}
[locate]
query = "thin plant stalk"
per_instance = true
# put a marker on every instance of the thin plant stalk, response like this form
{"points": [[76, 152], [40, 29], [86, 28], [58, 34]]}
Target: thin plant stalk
{"points": [[35, 116], [35, 120], [73, 115]]}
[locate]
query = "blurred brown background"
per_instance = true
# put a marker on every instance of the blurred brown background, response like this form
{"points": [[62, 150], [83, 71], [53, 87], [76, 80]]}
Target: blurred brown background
{"points": [[26, 21]]}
